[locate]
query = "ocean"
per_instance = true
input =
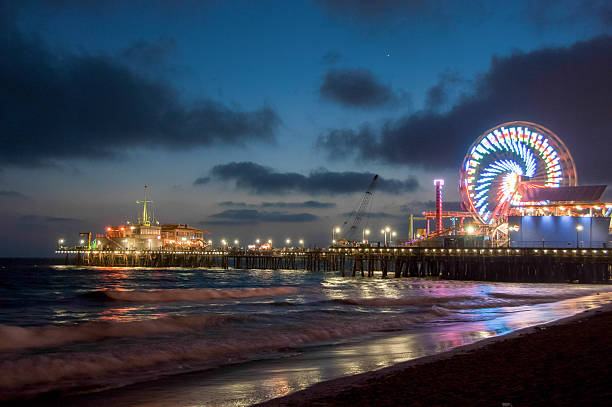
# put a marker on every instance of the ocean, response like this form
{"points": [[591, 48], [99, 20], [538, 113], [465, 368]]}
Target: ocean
{"points": [[76, 336]]}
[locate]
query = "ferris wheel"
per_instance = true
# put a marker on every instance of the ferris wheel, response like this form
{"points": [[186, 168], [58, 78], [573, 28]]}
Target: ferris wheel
{"points": [[506, 160]]}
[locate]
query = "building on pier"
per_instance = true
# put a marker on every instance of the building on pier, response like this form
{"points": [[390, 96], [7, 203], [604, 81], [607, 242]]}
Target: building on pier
{"points": [[180, 235]]}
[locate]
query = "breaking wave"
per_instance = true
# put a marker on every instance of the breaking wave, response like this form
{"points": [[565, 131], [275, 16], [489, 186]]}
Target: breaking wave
{"points": [[55, 370], [17, 337], [171, 295], [491, 300]]}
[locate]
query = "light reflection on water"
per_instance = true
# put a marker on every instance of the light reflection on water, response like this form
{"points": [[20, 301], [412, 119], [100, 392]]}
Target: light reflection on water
{"points": [[253, 382]]}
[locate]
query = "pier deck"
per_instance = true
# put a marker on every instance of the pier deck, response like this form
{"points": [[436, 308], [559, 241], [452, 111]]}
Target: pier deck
{"points": [[481, 264]]}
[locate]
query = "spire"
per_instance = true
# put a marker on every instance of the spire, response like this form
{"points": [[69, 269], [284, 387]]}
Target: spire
{"points": [[146, 219]]}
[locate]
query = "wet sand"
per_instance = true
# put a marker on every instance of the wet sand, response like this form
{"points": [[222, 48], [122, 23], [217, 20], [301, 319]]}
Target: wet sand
{"points": [[563, 363]]}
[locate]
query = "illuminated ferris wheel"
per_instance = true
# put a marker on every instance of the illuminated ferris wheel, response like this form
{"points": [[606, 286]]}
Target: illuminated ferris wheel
{"points": [[508, 159]]}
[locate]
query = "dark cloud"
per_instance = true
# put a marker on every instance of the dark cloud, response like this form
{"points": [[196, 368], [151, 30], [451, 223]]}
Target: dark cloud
{"points": [[235, 204], [439, 94], [305, 204], [252, 216], [376, 10], [144, 53], [35, 220], [201, 181], [564, 89], [262, 180], [372, 215], [332, 57], [58, 107], [11, 194], [356, 88], [280, 204], [544, 13]]}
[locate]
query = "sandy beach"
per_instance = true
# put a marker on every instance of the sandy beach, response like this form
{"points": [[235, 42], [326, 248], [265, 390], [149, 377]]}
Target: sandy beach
{"points": [[564, 363]]}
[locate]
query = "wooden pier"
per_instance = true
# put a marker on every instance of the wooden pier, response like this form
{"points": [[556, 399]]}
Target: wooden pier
{"points": [[479, 264]]}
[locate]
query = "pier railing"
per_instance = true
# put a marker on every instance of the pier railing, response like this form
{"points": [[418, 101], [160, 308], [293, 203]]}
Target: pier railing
{"points": [[484, 264]]}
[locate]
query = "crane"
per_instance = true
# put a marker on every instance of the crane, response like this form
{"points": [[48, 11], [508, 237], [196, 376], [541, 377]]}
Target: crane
{"points": [[358, 214]]}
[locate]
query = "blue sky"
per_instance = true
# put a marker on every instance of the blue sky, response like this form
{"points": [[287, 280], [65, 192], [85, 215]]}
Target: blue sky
{"points": [[261, 83]]}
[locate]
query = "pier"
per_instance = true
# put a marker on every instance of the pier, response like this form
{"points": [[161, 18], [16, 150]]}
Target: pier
{"points": [[478, 264]]}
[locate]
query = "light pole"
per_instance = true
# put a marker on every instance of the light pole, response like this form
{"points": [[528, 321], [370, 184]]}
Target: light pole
{"points": [[302, 243], [387, 232], [236, 242], [382, 232], [364, 233], [393, 234], [579, 228], [288, 241], [335, 230], [223, 243], [270, 243], [61, 243], [257, 241]]}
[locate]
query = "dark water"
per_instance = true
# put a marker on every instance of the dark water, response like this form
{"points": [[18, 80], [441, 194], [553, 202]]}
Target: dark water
{"points": [[234, 337]]}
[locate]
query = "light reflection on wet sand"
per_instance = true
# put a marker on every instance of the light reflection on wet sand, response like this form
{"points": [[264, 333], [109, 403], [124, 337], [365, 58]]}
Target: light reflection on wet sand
{"points": [[256, 381]]}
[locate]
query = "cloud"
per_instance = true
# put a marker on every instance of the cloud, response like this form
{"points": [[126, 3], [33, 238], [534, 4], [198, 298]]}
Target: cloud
{"points": [[252, 216], [262, 180], [35, 220], [305, 204], [59, 107], [356, 88], [143, 53], [372, 215], [280, 204], [565, 89], [545, 13], [11, 194], [331, 57], [367, 10], [439, 95], [201, 181]]}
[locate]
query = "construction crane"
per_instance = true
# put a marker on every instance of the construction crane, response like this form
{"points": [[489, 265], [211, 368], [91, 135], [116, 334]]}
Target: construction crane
{"points": [[355, 219]]}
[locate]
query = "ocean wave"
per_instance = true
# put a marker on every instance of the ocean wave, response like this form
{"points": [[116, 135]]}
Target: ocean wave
{"points": [[491, 300], [196, 295], [16, 337], [396, 302], [54, 370]]}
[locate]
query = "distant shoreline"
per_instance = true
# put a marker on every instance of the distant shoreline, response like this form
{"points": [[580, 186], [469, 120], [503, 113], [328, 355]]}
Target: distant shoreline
{"points": [[563, 362]]}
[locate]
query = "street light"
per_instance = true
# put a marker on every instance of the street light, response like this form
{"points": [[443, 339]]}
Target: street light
{"points": [[288, 241], [364, 233], [335, 231], [579, 228], [382, 232], [60, 242], [393, 234], [257, 241], [236, 242], [302, 242], [223, 242]]}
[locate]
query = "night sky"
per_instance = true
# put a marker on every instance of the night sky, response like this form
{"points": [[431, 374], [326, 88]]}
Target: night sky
{"points": [[268, 119]]}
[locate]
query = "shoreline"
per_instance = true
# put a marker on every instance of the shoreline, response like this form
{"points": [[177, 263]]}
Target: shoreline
{"points": [[351, 390]]}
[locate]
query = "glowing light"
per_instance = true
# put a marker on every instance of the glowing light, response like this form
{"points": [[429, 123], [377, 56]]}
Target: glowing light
{"points": [[506, 157]]}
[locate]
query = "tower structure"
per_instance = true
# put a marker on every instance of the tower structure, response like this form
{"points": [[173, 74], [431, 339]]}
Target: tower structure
{"points": [[439, 183]]}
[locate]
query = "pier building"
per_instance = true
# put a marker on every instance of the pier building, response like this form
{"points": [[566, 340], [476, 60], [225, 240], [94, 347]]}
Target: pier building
{"points": [[180, 235]]}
